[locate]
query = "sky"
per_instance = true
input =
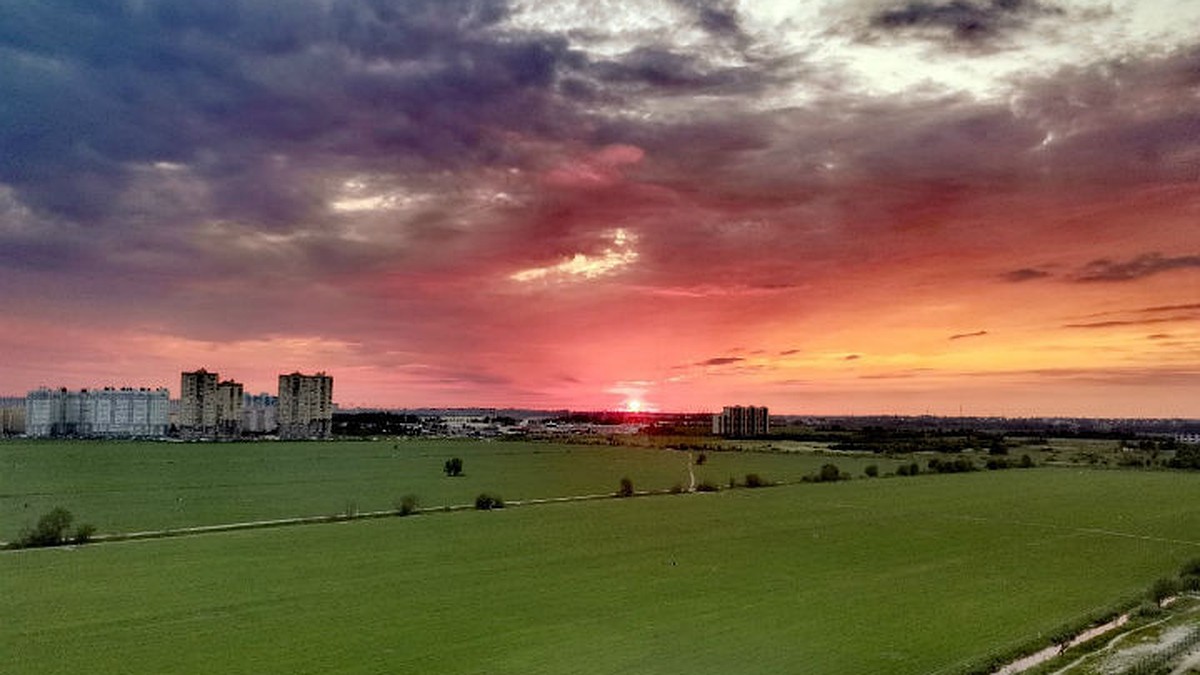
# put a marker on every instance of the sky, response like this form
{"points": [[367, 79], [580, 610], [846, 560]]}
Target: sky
{"points": [[977, 207]]}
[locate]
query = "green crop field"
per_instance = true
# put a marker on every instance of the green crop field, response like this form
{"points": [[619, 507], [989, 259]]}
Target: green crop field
{"points": [[904, 575], [130, 486]]}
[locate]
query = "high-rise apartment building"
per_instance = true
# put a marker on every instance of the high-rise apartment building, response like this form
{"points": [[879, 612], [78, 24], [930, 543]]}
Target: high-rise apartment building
{"points": [[229, 409], [305, 408], [198, 404], [110, 412], [209, 408], [741, 421]]}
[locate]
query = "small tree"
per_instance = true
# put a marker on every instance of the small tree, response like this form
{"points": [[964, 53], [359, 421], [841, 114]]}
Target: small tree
{"points": [[626, 489], [50, 530], [453, 467], [872, 471], [754, 480], [84, 533], [701, 459]]}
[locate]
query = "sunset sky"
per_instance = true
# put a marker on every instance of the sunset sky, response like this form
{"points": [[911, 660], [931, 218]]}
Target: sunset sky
{"points": [[986, 207]]}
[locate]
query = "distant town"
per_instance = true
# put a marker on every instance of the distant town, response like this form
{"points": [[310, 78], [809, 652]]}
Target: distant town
{"points": [[302, 408]]}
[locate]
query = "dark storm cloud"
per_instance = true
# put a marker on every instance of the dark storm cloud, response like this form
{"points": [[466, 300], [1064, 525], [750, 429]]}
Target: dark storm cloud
{"points": [[1142, 266], [968, 22], [252, 95]]}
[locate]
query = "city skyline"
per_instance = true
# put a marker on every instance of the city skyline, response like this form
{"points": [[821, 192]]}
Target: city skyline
{"points": [[979, 207]]}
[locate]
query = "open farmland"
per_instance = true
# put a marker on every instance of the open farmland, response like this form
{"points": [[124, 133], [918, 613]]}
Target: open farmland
{"points": [[917, 575], [129, 486]]}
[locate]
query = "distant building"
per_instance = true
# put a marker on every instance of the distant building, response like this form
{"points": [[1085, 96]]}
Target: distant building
{"points": [[110, 412], [259, 413], [229, 409], [198, 404], [12, 416], [741, 422], [209, 408], [305, 408]]}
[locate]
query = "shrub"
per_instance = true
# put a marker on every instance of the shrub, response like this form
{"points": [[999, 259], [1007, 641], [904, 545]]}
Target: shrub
{"points": [[676, 489], [872, 471], [487, 502], [754, 480], [1163, 588], [626, 489], [1190, 582], [407, 505], [1026, 462], [829, 473], [701, 459], [732, 482], [50, 530], [1191, 567], [705, 486], [453, 467], [902, 470], [1148, 609]]}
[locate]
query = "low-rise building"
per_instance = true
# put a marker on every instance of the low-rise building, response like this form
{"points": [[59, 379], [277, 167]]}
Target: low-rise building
{"points": [[111, 412]]}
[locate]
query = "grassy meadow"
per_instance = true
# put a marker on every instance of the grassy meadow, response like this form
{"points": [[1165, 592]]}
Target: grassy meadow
{"points": [[133, 486], [903, 575]]}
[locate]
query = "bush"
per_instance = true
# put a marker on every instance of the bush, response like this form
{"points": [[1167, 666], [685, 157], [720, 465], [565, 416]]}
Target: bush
{"points": [[676, 489], [872, 471], [407, 505], [701, 459], [705, 486], [487, 502], [1190, 568], [453, 467], [754, 480], [1163, 588], [50, 530], [1148, 609], [829, 473], [1026, 462], [626, 489]]}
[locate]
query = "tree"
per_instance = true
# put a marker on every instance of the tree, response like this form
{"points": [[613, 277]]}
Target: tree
{"points": [[453, 467], [626, 489], [50, 530]]}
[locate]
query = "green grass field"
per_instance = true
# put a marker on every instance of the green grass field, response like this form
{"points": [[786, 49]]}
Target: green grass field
{"points": [[917, 575], [131, 486]]}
